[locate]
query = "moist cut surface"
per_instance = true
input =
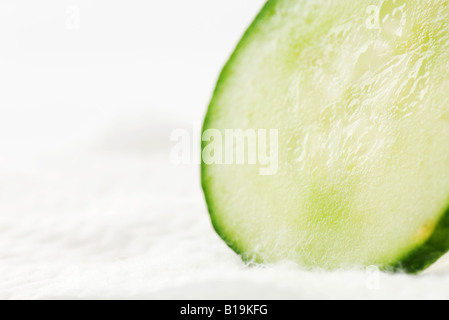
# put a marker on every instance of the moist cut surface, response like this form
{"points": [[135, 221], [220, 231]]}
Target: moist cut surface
{"points": [[358, 91]]}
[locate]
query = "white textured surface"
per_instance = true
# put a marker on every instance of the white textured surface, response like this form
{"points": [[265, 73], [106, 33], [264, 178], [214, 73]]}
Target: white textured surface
{"points": [[110, 222], [90, 206], [107, 222]]}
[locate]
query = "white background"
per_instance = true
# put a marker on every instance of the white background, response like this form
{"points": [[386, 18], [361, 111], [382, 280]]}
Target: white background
{"points": [[90, 205]]}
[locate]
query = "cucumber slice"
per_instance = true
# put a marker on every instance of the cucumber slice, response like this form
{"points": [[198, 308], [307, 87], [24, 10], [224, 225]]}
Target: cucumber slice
{"points": [[358, 91]]}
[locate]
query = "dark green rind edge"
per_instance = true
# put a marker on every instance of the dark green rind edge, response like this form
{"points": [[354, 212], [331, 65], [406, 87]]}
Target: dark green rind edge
{"points": [[426, 254], [414, 262], [269, 5]]}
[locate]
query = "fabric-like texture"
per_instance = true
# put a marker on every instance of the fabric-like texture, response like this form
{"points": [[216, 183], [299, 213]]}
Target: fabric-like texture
{"points": [[110, 221], [90, 205]]}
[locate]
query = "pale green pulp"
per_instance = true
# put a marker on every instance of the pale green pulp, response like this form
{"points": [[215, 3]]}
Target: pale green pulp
{"points": [[362, 109]]}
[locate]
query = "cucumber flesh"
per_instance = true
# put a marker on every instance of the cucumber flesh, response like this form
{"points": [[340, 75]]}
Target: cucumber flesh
{"points": [[358, 92]]}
